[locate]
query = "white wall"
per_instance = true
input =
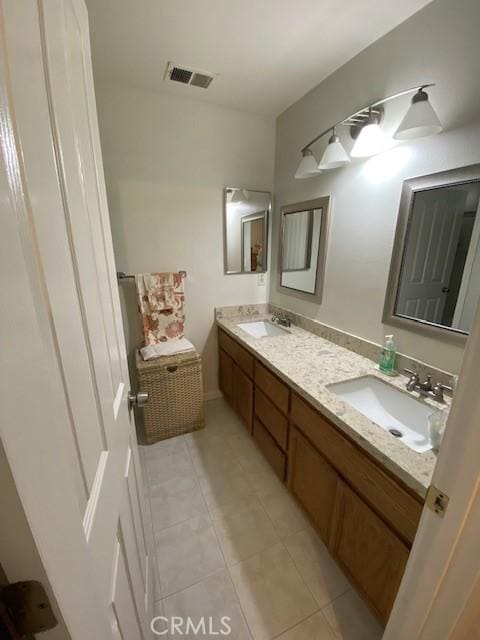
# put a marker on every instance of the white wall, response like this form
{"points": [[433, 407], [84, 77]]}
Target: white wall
{"points": [[166, 162], [439, 44]]}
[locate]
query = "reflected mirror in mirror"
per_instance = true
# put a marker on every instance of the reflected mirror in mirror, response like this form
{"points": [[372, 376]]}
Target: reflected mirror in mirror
{"points": [[302, 245], [439, 261], [246, 230]]}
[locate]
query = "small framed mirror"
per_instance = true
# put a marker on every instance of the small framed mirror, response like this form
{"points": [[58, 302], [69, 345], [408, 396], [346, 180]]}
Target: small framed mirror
{"points": [[434, 281], [302, 246], [245, 219]]}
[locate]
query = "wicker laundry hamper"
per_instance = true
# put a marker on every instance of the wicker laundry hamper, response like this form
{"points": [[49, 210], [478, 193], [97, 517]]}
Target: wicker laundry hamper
{"points": [[175, 395]]}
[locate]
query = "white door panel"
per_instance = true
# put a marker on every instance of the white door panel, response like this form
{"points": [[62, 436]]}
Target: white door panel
{"points": [[432, 239], [51, 145]]}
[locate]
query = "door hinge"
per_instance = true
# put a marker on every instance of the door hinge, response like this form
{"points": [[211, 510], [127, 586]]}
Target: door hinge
{"points": [[437, 501], [28, 607]]}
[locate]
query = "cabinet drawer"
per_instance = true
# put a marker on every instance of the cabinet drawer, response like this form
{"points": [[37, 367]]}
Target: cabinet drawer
{"points": [[276, 391], [381, 491], [269, 448], [370, 553], [240, 355], [272, 418]]}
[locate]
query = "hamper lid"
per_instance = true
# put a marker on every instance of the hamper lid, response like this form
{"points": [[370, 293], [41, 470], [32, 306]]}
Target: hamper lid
{"points": [[162, 362]]}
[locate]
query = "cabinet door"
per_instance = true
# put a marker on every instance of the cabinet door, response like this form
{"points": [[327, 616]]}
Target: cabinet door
{"points": [[371, 554], [313, 482], [225, 375], [243, 396], [269, 448]]}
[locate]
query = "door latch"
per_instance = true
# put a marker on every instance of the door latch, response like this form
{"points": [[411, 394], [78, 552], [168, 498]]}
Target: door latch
{"points": [[27, 607], [437, 501], [139, 399]]}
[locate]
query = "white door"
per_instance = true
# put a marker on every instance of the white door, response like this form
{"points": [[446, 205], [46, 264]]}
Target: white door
{"points": [[65, 423], [431, 244]]}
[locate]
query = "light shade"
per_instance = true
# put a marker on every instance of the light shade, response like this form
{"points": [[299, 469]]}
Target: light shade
{"points": [[237, 196], [308, 166], [334, 155], [370, 141], [420, 120]]}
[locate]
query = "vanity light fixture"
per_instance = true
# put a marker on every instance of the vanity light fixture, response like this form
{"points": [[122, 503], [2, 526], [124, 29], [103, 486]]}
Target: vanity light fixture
{"points": [[334, 155], [420, 120], [364, 124], [371, 139], [308, 165]]}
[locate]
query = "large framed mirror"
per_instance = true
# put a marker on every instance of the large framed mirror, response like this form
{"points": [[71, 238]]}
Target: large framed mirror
{"points": [[434, 281], [245, 218], [302, 246]]}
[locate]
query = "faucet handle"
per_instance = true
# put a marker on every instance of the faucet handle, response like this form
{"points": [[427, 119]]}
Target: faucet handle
{"points": [[413, 374], [444, 387]]}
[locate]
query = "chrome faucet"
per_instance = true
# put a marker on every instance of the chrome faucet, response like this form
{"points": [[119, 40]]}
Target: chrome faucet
{"points": [[426, 388], [281, 319]]}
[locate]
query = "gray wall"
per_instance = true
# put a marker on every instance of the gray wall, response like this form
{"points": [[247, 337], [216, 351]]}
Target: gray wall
{"points": [[439, 44]]}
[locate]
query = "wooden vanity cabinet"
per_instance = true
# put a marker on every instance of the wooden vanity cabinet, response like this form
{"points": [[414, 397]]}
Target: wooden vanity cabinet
{"points": [[365, 515]]}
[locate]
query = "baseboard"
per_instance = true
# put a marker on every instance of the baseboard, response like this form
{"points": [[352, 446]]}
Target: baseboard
{"points": [[212, 395]]}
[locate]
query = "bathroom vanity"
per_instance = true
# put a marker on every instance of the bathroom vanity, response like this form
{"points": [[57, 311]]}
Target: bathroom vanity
{"points": [[362, 490]]}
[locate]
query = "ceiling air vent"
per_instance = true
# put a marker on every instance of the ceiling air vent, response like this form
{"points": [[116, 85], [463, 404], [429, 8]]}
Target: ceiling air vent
{"points": [[180, 73], [201, 80]]}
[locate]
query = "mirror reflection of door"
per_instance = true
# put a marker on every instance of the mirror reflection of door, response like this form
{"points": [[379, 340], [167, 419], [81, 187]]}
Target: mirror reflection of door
{"points": [[440, 275], [252, 243], [246, 230]]}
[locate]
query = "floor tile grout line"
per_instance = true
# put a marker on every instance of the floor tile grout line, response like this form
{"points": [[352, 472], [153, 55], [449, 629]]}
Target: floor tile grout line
{"points": [[281, 540], [227, 568], [320, 607], [297, 624], [335, 635], [154, 541], [193, 584], [232, 581]]}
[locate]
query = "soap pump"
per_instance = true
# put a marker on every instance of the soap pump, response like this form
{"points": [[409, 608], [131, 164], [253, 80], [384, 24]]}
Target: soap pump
{"points": [[388, 357]]}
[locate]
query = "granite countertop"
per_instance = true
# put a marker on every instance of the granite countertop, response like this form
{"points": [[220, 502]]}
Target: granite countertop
{"points": [[308, 363]]}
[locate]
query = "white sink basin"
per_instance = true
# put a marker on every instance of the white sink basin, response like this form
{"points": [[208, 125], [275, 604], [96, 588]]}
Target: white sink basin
{"points": [[391, 409], [262, 329]]}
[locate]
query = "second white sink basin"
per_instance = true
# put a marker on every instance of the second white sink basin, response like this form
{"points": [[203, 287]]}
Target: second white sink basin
{"points": [[262, 329], [391, 409]]}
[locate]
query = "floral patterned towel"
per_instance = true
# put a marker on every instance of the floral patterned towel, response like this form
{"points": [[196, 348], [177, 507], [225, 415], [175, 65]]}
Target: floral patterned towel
{"points": [[161, 299]]}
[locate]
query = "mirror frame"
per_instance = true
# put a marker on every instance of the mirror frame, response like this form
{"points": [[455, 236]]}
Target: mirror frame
{"points": [[308, 205], [412, 186], [266, 217]]}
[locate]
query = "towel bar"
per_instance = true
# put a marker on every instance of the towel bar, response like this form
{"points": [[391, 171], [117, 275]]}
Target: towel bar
{"points": [[121, 275]]}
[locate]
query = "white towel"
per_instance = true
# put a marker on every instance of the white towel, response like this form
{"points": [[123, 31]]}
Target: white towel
{"points": [[169, 348]]}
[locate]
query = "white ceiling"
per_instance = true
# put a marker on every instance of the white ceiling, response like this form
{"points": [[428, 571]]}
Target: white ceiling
{"points": [[268, 53]]}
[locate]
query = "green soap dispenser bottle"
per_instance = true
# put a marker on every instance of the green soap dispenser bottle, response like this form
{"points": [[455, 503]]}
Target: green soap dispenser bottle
{"points": [[388, 357]]}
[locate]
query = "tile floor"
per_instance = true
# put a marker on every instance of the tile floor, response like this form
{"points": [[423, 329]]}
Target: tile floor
{"points": [[230, 541]]}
